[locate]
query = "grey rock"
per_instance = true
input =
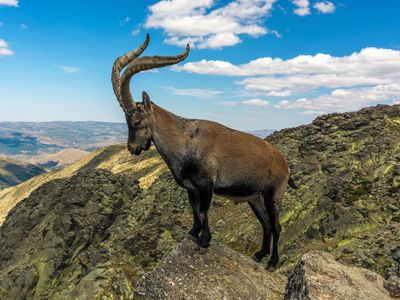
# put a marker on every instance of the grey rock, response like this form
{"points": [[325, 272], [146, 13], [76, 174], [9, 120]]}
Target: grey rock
{"points": [[318, 276]]}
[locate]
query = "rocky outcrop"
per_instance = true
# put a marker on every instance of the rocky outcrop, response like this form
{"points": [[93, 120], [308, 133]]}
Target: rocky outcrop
{"points": [[392, 281], [318, 276], [219, 273], [58, 240], [347, 167]]}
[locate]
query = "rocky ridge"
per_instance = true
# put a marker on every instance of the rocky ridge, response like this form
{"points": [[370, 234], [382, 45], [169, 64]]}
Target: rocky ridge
{"points": [[346, 166]]}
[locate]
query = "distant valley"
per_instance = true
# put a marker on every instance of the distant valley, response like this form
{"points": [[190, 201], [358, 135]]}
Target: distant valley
{"points": [[33, 138]]}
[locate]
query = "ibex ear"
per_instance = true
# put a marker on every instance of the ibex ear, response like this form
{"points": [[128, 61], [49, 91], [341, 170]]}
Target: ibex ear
{"points": [[146, 101]]}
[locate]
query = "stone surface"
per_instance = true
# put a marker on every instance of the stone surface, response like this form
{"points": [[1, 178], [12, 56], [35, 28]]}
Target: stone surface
{"points": [[219, 273], [392, 281], [318, 276]]}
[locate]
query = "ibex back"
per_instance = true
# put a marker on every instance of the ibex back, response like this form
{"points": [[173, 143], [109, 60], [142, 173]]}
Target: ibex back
{"points": [[205, 157]]}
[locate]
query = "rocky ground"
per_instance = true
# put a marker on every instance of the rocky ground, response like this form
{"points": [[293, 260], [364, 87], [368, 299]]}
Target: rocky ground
{"points": [[96, 226], [217, 273]]}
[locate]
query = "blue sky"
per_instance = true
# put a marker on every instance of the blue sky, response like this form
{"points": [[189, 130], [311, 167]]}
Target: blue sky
{"points": [[253, 64]]}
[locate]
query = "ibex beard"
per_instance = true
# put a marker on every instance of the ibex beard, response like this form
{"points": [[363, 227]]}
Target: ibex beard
{"points": [[205, 157]]}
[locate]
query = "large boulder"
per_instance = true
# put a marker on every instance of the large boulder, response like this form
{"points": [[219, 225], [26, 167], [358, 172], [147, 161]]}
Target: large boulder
{"points": [[318, 276], [220, 273]]}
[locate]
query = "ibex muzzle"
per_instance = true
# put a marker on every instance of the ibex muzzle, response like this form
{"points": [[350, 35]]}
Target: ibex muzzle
{"points": [[205, 157]]}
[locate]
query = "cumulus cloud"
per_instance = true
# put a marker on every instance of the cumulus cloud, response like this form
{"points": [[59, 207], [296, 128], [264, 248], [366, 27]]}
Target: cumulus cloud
{"points": [[9, 3], [256, 102], [344, 99], [68, 69], [325, 7], [204, 26], [352, 81], [302, 7], [198, 93], [280, 77], [4, 49]]}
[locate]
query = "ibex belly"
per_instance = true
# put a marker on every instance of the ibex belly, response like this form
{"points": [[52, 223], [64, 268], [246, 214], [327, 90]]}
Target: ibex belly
{"points": [[238, 199]]}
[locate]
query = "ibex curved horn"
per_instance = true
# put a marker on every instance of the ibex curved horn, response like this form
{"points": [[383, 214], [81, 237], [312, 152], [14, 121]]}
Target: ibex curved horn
{"points": [[119, 64], [122, 85]]}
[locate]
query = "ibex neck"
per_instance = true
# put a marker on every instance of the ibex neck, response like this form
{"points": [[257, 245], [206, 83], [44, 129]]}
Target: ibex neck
{"points": [[168, 133]]}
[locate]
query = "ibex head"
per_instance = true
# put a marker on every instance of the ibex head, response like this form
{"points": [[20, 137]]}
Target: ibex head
{"points": [[139, 117]]}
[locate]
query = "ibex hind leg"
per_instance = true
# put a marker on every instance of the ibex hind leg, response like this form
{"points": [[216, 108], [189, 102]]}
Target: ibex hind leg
{"points": [[272, 204], [204, 205], [258, 207]]}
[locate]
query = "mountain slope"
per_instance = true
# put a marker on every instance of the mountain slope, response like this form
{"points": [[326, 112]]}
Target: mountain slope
{"points": [[348, 169], [13, 172], [128, 212], [59, 159]]}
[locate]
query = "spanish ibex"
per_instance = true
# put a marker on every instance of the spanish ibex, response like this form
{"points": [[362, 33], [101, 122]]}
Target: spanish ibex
{"points": [[205, 157]]}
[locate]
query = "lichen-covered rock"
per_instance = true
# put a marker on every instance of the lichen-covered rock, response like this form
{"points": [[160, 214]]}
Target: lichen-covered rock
{"points": [[219, 273], [347, 167], [318, 276], [392, 281], [90, 236]]}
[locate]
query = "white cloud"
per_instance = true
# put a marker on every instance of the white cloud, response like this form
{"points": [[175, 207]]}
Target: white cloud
{"points": [[278, 77], [369, 76], [3, 44], [344, 99], [204, 26], [1, 24], [135, 32], [9, 3], [256, 102], [24, 26], [124, 21], [325, 7], [4, 49], [198, 93], [250, 102], [303, 7], [68, 69], [220, 40]]}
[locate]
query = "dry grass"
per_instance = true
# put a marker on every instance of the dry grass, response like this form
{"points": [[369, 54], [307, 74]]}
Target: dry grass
{"points": [[63, 157]]}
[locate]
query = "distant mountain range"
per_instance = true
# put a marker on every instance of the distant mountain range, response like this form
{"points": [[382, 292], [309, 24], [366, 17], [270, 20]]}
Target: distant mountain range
{"points": [[33, 138], [26, 139], [261, 133]]}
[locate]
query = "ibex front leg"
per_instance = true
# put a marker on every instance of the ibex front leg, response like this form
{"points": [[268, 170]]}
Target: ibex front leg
{"points": [[194, 201], [205, 201]]}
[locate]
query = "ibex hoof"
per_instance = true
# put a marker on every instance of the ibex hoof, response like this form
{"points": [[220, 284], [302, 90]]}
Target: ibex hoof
{"points": [[258, 256], [191, 237], [270, 267]]}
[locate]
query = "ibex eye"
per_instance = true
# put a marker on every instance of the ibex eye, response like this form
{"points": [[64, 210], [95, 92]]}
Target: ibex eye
{"points": [[137, 123]]}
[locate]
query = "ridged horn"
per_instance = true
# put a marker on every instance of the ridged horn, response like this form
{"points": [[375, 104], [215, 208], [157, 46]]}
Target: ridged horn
{"points": [[118, 65], [142, 64]]}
